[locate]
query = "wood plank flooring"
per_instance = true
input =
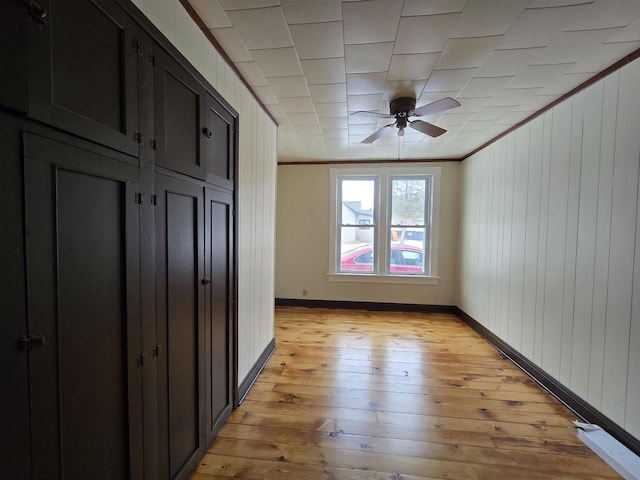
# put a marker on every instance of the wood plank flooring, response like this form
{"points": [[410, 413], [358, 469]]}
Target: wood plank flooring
{"points": [[356, 395]]}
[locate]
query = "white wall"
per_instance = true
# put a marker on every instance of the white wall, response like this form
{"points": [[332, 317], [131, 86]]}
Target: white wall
{"points": [[550, 247], [256, 178], [302, 241]]}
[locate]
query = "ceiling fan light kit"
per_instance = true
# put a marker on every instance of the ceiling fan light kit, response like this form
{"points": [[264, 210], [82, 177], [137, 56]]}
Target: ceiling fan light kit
{"points": [[404, 107]]}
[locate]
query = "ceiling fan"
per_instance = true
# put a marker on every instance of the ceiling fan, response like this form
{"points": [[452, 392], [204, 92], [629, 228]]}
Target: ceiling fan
{"points": [[404, 107]]}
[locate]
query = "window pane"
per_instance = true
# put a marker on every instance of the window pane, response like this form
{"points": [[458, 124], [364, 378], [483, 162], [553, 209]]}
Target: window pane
{"points": [[408, 201], [357, 201], [356, 248], [407, 251]]}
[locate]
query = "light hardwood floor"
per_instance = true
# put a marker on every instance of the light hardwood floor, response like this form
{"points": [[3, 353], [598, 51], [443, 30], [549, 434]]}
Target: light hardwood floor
{"points": [[359, 395]]}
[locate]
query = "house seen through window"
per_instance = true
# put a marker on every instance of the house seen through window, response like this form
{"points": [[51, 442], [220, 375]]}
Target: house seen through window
{"points": [[383, 222]]}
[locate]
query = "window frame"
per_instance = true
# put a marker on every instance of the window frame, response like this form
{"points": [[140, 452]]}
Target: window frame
{"points": [[382, 221]]}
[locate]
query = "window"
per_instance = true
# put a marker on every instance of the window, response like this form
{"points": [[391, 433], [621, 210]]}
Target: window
{"points": [[384, 224]]}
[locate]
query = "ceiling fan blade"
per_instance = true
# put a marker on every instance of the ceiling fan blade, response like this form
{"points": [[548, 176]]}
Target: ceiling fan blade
{"points": [[427, 128], [436, 107], [368, 113], [378, 133]]}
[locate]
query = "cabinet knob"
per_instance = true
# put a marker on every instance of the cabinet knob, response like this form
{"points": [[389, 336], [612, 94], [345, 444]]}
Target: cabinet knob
{"points": [[206, 132], [206, 281]]}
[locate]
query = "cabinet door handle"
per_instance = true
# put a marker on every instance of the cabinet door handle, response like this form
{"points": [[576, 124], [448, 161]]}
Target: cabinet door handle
{"points": [[206, 132], [205, 281]]}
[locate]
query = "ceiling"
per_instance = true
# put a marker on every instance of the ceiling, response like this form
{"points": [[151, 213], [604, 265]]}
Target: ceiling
{"points": [[313, 62]]}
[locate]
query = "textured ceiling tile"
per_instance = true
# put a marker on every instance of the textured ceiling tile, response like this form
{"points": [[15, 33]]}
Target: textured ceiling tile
{"points": [[429, 97], [211, 13], [334, 92], [412, 67], [449, 80], [538, 75], [363, 83], [603, 57], [483, 18], [336, 133], [247, 4], [265, 94], [557, 3], [467, 52], [365, 128], [474, 105], [277, 62], [289, 86], [331, 109], [251, 73], [504, 63], [297, 105], [606, 14], [432, 7], [303, 119], [404, 88], [312, 11], [512, 96], [373, 57], [570, 47], [564, 83], [318, 40], [232, 44], [535, 103], [371, 22], [449, 119], [334, 122], [326, 70], [492, 113], [262, 28], [308, 130], [630, 33], [484, 87], [424, 34], [539, 27], [363, 102]]}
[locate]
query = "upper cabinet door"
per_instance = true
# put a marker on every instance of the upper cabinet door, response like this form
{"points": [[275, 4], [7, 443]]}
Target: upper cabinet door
{"points": [[220, 125], [179, 117], [82, 71], [14, 25]]}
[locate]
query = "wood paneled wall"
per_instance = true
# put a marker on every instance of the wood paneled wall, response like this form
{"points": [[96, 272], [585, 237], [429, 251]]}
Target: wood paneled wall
{"points": [[549, 245], [256, 178]]}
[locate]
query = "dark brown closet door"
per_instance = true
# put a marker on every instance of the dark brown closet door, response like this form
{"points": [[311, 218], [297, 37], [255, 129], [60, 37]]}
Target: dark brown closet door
{"points": [[179, 117], [83, 313], [220, 145], [219, 323], [82, 71], [180, 315]]}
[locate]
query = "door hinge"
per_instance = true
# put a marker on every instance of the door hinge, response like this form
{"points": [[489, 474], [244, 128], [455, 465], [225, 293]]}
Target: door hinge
{"points": [[137, 46], [140, 359], [156, 350], [36, 12], [153, 144], [138, 138], [139, 199], [154, 200], [29, 341]]}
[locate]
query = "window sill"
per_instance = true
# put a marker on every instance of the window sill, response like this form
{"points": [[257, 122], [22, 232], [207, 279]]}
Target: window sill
{"points": [[369, 278]]}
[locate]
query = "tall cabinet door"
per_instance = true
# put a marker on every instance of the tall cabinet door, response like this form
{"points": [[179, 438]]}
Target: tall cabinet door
{"points": [[180, 326], [219, 273], [82, 255]]}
